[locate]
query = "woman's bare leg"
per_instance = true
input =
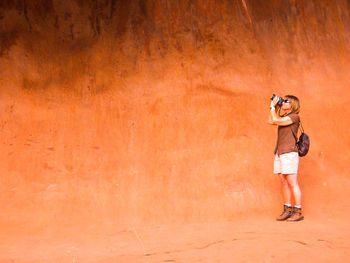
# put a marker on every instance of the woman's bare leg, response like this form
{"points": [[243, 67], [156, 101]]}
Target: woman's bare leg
{"points": [[294, 187], [297, 215], [287, 194]]}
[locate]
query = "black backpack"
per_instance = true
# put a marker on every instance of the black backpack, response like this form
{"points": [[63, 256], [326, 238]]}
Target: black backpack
{"points": [[303, 143]]}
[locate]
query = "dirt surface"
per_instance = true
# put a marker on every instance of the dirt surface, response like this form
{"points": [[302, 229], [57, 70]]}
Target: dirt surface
{"points": [[259, 240], [136, 131]]}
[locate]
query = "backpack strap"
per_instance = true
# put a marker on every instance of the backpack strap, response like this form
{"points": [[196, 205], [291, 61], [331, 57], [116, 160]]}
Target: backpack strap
{"points": [[301, 127], [302, 130], [295, 137]]}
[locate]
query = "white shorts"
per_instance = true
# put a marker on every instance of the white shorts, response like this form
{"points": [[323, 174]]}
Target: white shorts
{"points": [[286, 163]]}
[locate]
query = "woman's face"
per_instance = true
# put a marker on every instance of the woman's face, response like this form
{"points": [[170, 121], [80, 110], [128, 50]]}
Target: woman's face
{"points": [[286, 105]]}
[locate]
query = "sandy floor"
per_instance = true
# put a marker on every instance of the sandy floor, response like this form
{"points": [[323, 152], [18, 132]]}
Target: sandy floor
{"points": [[260, 240]]}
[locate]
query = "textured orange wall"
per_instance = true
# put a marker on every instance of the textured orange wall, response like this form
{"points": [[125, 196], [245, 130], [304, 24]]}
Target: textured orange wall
{"points": [[150, 112]]}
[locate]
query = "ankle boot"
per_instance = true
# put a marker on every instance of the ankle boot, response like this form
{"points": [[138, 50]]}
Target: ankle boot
{"points": [[287, 212], [296, 215]]}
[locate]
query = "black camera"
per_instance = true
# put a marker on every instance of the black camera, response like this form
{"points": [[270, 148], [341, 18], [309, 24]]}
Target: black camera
{"points": [[280, 100]]}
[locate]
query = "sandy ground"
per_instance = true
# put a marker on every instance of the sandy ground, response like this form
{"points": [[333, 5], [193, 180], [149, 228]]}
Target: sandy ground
{"points": [[243, 240]]}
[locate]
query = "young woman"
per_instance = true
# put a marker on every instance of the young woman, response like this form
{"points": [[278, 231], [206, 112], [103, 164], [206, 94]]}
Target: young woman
{"points": [[286, 154]]}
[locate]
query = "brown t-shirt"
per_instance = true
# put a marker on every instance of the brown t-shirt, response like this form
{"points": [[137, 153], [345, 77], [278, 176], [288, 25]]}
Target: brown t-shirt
{"points": [[286, 141]]}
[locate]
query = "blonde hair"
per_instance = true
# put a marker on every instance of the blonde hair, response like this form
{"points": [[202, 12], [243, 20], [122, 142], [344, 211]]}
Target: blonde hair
{"points": [[294, 101]]}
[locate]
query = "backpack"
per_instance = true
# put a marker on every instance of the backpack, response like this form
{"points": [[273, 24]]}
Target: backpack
{"points": [[303, 143]]}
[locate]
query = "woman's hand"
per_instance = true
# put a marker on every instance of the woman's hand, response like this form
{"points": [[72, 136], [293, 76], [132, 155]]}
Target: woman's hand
{"points": [[273, 102]]}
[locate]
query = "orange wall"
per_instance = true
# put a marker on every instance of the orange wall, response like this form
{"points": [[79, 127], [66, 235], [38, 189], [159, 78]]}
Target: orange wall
{"points": [[155, 112]]}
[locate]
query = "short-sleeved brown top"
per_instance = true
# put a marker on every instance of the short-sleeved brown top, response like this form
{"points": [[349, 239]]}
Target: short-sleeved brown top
{"points": [[285, 140]]}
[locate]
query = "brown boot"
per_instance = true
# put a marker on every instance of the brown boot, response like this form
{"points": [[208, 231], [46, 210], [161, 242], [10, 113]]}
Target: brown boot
{"points": [[287, 212], [296, 215]]}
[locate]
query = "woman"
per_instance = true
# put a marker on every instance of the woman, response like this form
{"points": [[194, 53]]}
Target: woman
{"points": [[286, 155]]}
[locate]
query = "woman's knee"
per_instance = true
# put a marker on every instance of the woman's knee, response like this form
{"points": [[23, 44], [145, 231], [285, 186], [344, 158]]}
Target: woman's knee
{"points": [[292, 180], [284, 180]]}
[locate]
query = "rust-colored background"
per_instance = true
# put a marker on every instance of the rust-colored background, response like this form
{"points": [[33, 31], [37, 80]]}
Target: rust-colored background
{"points": [[118, 115]]}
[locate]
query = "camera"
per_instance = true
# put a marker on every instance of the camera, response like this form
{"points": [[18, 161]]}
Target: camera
{"points": [[280, 100]]}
